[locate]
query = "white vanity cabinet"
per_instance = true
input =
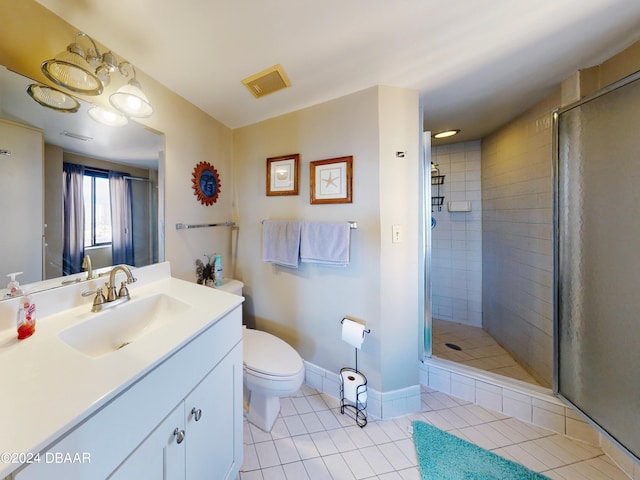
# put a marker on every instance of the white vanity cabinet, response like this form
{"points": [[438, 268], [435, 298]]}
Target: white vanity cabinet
{"points": [[193, 442], [195, 393], [159, 456], [212, 411]]}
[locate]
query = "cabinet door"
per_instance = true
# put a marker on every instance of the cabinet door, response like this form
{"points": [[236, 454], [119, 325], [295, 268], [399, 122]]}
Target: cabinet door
{"points": [[214, 422], [160, 456]]}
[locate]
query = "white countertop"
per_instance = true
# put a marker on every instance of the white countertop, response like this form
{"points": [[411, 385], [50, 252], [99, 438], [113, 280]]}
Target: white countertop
{"points": [[49, 387]]}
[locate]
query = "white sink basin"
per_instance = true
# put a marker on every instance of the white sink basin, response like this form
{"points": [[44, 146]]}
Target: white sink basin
{"points": [[113, 329]]}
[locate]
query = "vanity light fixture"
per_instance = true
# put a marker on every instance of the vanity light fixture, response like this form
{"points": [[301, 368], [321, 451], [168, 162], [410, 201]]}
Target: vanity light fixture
{"points": [[446, 133], [107, 117], [88, 71], [52, 98], [71, 68], [130, 99]]}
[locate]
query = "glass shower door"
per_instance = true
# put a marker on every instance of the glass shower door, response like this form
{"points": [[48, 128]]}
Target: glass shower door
{"points": [[598, 261]]}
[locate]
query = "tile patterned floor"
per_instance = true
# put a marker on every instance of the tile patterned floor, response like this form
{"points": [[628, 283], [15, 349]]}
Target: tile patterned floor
{"points": [[478, 349], [311, 440]]}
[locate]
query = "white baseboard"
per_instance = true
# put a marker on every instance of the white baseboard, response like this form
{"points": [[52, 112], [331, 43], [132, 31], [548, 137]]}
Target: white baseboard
{"points": [[382, 405]]}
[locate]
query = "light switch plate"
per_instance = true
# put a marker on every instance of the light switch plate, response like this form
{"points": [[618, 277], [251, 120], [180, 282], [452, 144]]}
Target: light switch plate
{"points": [[396, 234]]}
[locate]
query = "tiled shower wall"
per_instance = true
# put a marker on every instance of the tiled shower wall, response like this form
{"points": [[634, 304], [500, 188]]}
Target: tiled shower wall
{"points": [[456, 248], [517, 248]]}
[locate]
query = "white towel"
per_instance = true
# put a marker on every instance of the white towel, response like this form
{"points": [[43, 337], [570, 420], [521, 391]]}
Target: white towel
{"points": [[281, 242], [325, 242]]}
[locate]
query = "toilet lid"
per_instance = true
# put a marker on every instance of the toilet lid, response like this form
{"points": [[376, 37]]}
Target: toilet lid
{"points": [[267, 354]]}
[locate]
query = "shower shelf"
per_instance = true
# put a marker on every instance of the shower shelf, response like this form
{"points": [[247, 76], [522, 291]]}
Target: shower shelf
{"points": [[437, 179]]}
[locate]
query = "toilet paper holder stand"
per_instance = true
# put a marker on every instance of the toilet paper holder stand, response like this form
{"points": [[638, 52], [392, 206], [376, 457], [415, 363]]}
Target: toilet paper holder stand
{"points": [[358, 409]]}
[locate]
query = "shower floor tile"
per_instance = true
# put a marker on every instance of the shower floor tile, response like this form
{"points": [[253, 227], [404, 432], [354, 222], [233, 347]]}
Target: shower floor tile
{"points": [[477, 349]]}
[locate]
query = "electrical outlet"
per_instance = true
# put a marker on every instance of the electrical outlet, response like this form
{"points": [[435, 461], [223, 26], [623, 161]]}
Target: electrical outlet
{"points": [[396, 234]]}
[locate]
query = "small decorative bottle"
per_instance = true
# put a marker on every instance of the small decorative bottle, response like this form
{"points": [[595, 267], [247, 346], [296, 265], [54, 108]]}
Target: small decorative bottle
{"points": [[217, 270]]}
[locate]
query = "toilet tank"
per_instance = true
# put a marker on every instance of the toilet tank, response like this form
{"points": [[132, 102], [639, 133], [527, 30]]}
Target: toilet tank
{"points": [[232, 286]]}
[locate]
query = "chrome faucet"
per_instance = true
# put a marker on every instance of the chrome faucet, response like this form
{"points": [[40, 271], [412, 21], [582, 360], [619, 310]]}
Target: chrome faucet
{"points": [[100, 302], [86, 264]]}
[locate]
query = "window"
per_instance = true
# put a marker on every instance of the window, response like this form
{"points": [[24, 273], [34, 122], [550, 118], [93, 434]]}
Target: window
{"points": [[97, 208]]}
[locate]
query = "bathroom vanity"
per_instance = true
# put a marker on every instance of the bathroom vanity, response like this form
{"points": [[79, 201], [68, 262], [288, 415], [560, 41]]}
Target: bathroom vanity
{"points": [[151, 388]]}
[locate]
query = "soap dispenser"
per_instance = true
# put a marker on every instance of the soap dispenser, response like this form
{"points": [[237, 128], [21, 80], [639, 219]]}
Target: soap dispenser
{"points": [[13, 286], [26, 324]]}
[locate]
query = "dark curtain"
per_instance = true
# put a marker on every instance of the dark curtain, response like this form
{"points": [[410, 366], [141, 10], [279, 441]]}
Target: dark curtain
{"points": [[73, 219], [121, 221]]}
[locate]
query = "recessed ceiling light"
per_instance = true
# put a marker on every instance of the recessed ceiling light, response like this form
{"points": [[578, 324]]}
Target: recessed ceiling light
{"points": [[446, 133]]}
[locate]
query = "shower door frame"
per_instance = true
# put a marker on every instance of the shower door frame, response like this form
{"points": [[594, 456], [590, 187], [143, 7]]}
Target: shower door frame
{"points": [[425, 329]]}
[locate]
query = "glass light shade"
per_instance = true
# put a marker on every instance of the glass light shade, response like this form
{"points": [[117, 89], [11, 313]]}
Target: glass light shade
{"points": [[52, 98], [107, 117], [130, 100], [446, 133], [71, 71]]}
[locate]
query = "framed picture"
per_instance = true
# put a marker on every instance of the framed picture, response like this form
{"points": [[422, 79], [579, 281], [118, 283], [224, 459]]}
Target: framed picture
{"points": [[330, 180], [282, 175]]}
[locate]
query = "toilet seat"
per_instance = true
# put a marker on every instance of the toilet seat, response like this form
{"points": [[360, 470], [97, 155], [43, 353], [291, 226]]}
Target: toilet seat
{"points": [[267, 356]]}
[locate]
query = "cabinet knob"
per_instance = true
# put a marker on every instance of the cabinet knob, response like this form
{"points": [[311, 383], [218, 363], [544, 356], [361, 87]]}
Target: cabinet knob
{"points": [[197, 413], [179, 434]]}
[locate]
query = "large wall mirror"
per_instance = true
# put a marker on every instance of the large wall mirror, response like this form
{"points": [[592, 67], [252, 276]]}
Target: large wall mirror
{"points": [[35, 142]]}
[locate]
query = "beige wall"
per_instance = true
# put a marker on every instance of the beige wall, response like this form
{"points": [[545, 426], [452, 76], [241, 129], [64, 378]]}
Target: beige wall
{"points": [[31, 34], [400, 272], [305, 305], [617, 67]]}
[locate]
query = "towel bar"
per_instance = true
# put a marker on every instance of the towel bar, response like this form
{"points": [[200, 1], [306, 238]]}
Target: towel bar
{"points": [[352, 225], [187, 226]]}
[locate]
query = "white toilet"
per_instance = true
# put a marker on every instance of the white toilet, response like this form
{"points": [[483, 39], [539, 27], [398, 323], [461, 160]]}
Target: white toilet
{"points": [[272, 369]]}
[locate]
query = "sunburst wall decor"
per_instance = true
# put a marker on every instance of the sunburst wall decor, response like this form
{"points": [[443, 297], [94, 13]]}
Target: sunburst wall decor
{"points": [[206, 183]]}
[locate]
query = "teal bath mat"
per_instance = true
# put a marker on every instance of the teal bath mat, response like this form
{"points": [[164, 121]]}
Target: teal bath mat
{"points": [[442, 456]]}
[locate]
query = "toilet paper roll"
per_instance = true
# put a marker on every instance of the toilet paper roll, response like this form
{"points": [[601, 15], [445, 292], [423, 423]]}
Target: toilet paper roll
{"points": [[352, 332], [351, 381]]}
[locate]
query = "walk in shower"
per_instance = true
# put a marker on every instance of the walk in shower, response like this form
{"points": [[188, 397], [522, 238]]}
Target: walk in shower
{"points": [[501, 251], [456, 265]]}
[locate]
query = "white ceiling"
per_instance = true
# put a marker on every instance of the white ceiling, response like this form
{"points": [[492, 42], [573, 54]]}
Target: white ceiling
{"points": [[476, 63]]}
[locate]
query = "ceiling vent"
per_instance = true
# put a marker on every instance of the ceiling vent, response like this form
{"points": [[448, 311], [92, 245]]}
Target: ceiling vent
{"points": [[267, 81], [76, 136]]}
